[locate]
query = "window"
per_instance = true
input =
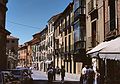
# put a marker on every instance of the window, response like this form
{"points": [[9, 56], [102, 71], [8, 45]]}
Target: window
{"points": [[79, 7], [51, 40], [65, 32], [67, 20], [112, 14], [79, 31], [65, 44], [13, 41], [76, 4], [7, 41], [69, 43], [76, 31], [71, 17], [69, 30]]}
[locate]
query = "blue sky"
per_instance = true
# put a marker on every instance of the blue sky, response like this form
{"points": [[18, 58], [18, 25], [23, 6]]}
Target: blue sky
{"points": [[33, 13]]}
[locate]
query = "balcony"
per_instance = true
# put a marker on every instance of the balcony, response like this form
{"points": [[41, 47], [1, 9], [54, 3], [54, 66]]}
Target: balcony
{"points": [[79, 13], [79, 45], [92, 5]]}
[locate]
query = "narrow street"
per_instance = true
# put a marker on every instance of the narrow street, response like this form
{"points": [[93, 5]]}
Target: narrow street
{"points": [[41, 78]]}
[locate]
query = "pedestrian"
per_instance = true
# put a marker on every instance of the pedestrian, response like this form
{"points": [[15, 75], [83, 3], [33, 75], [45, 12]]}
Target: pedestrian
{"points": [[62, 73], [58, 70], [54, 73], [90, 75], [50, 74], [83, 78], [97, 77]]}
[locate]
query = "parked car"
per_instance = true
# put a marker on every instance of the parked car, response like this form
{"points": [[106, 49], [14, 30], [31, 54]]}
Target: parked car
{"points": [[23, 75], [7, 77]]}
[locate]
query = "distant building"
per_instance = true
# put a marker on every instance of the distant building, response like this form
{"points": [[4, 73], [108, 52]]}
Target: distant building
{"points": [[43, 49], [22, 56], [39, 49], [63, 39], [35, 44], [3, 34], [12, 51], [29, 53], [50, 38]]}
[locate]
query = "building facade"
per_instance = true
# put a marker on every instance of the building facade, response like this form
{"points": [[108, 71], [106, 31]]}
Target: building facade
{"points": [[111, 32], [29, 53], [64, 41], [3, 34], [44, 49], [94, 16], [35, 50], [22, 56], [103, 23], [12, 51], [50, 38]]}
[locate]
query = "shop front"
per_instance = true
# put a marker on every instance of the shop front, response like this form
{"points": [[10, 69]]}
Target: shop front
{"points": [[107, 55]]}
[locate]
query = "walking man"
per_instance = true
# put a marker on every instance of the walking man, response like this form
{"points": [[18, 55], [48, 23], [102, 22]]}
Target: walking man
{"points": [[50, 75], [62, 73]]}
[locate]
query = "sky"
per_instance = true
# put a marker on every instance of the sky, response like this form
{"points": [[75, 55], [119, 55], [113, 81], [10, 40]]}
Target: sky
{"points": [[24, 18]]}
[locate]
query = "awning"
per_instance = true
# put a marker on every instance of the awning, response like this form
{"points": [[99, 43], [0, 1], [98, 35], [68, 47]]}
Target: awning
{"points": [[98, 47], [112, 51], [108, 50]]}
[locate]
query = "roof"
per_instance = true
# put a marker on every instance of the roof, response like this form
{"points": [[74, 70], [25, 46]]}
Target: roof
{"points": [[12, 37], [54, 17], [68, 8], [39, 33]]}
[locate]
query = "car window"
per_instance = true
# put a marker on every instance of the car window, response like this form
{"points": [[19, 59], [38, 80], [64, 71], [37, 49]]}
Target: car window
{"points": [[16, 72]]}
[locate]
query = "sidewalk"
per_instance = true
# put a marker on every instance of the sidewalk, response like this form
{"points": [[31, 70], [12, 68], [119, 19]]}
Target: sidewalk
{"points": [[39, 75]]}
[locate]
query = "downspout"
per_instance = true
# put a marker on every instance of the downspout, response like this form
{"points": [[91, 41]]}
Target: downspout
{"points": [[104, 17]]}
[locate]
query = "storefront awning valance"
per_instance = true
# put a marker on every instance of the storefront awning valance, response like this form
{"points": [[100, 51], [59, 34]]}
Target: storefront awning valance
{"points": [[110, 49]]}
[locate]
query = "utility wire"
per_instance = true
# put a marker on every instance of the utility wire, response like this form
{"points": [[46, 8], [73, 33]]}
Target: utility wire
{"points": [[23, 25]]}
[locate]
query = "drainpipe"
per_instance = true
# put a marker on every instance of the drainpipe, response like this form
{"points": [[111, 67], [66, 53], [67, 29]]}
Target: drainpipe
{"points": [[104, 17]]}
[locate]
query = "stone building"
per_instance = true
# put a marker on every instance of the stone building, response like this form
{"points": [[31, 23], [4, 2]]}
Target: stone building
{"points": [[103, 22], [64, 43], [3, 34], [22, 56], [79, 34], [12, 51], [50, 38], [35, 44]]}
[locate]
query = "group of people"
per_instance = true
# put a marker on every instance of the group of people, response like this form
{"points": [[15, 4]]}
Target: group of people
{"points": [[53, 71], [89, 76]]}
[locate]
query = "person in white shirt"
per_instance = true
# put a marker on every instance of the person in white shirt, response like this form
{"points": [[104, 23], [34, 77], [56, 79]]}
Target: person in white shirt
{"points": [[83, 79]]}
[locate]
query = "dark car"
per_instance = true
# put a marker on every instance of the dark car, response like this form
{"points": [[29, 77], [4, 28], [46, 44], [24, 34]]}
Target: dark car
{"points": [[22, 75], [6, 77]]}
